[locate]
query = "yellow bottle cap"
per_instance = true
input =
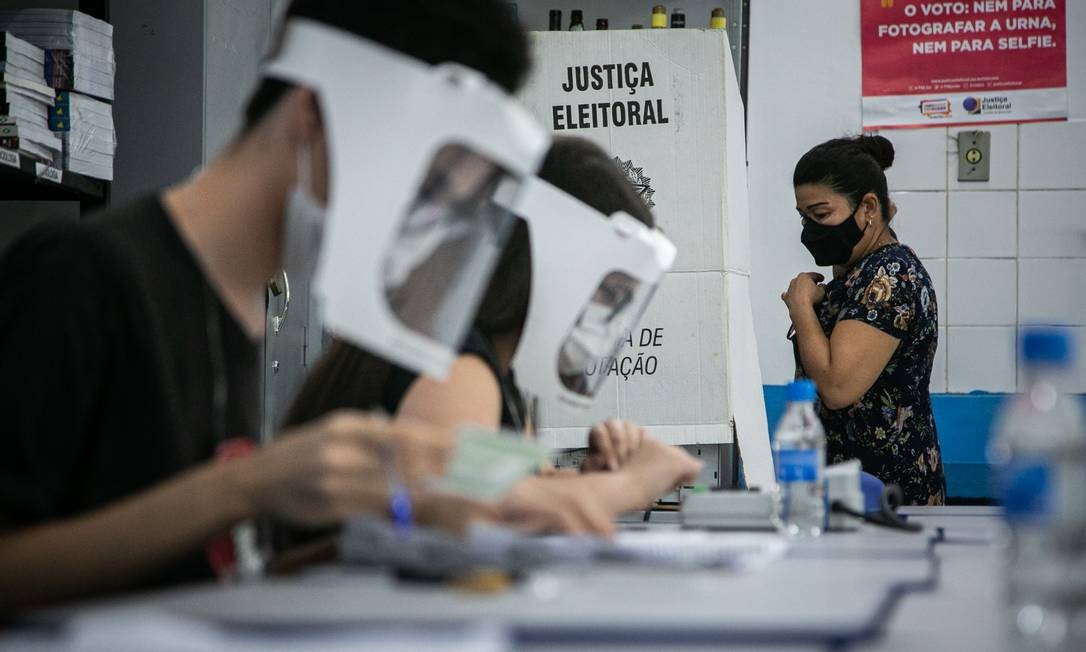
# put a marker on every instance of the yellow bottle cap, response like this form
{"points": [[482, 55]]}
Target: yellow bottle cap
{"points": [[718, 22], [659, 17]]}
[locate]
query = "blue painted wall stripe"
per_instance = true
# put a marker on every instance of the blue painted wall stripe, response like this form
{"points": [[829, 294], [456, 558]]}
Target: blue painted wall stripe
{"points": [[964, 422]]}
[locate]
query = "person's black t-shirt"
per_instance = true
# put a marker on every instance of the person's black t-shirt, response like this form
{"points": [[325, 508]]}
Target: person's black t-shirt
{"points": [[113, 346]]}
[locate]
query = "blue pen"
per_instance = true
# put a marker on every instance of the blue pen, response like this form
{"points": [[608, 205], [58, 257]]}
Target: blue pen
{"points": [[399, 507], [399, 498]]}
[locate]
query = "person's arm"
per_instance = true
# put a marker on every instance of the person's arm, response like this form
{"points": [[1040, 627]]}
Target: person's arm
{"points": [[588, 503], [469, 394], [115, 546], [318, 475], [845, 365]]}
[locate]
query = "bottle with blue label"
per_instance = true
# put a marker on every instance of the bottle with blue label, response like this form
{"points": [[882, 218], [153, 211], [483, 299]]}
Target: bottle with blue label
{"points": [[799, 454], [1038, 454]]}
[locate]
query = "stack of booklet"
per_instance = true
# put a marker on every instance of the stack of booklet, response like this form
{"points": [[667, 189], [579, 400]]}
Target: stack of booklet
{"points": [[86, 125], [57, 80], [25, 101], [79, 48]]}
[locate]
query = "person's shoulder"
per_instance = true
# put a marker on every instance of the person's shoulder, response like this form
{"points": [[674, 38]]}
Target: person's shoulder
{"points": [[75, 253], [479, 346], [891, 270], [906, 264], [894, 253], [58, 246], [894, 260]]}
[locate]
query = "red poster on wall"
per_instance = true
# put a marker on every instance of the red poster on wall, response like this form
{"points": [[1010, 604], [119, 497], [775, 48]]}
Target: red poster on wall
{"points": [[929, 63]]}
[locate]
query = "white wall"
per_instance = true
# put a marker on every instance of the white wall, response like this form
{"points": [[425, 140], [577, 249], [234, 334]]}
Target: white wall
{"points": [[236, 36], [1002, 253]]}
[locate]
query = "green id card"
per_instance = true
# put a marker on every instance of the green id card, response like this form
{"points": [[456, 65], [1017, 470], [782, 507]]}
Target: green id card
{"points": [[485, 464]]}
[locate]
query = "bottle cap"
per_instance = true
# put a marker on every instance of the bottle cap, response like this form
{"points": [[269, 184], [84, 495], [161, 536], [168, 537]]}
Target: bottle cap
{"points": [[801, 391], [717, 20], [601, 23], [576, 14], [1046, 346], [637, 26]]}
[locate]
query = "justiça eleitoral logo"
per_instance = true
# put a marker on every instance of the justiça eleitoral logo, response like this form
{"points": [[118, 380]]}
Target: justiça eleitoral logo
{"points": [[987, 104], [636, 177]]}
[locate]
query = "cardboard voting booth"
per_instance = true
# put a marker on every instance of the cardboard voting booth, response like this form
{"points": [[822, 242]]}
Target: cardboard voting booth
{"points": [[666, 105]]}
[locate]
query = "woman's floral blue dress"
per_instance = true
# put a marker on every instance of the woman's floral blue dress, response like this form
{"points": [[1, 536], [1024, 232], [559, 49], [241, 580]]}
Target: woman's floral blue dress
{"points": [[891, 429]]}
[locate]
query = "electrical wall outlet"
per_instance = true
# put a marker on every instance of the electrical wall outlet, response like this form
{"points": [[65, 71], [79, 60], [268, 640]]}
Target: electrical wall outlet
{"points": [[974, 155]]}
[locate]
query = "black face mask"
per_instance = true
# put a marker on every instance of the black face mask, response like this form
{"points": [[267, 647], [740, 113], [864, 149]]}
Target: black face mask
{"points": [[832, 245]]}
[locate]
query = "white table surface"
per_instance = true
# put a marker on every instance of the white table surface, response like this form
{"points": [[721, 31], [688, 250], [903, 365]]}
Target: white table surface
{"points": [[877, 587]]}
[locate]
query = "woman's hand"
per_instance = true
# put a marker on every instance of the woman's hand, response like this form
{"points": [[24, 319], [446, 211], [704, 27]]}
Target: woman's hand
{"points": [[589, 502], [804, 290], [561, 504], [658, 468], [611, 443]]}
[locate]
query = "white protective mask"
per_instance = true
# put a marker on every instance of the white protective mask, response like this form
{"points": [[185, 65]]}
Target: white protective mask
{"points": [[303, 224], [592, 338]]}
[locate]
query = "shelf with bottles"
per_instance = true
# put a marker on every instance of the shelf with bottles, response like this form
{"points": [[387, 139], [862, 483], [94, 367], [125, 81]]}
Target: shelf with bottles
{"points": [[659, 19]]}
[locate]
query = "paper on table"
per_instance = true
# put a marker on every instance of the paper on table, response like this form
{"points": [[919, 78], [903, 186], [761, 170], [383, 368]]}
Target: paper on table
{"points": [[667, 547], [697, 548]]}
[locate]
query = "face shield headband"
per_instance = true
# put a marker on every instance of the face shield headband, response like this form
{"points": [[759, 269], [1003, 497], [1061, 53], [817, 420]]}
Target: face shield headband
{"points": [[416, 153]]}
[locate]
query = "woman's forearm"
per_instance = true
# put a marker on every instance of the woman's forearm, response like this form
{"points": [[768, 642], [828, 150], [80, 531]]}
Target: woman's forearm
{"points": [[115, 546], [814, 346], [618, 493]]}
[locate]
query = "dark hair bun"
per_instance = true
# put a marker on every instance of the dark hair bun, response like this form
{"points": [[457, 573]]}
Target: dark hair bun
{"points": [[879, 148]]}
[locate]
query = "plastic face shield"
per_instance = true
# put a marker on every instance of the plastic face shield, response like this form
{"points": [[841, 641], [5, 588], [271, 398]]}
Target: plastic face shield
{"points": [[592, 278], [416, 153]]}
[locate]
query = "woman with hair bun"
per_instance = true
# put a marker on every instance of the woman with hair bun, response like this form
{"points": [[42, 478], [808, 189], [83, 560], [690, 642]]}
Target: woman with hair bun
{"points": [[868, 336]]}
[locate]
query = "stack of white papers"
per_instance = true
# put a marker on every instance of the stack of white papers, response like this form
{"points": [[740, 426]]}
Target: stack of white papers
{"points": [[79, 48], [86, 125], [374, 542], [25, 101], [21, 59]]}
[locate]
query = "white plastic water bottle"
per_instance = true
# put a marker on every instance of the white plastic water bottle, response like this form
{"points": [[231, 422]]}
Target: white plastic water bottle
{"points": [[799, 453], [1039, 459]]}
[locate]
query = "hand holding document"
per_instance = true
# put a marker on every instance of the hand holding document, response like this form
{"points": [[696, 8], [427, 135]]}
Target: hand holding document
{"points": [[486, 465]]}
